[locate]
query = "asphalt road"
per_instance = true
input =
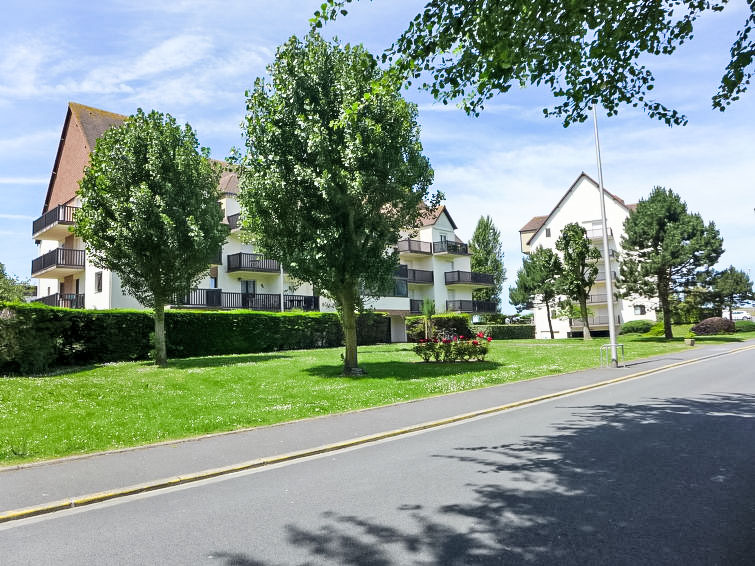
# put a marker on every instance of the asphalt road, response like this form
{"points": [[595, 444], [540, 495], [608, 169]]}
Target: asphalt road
{"points": [[656, 470]]}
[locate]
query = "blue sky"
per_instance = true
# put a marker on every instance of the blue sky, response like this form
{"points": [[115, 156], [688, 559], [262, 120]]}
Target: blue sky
{"points": [[194, 59]]}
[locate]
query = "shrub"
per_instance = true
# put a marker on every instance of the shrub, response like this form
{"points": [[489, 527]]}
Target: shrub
{"points": [[449, 350], [656, 329], [637, 326], [713, 325], [506, 331], [744, 326], [34, 337], [452, 324]]}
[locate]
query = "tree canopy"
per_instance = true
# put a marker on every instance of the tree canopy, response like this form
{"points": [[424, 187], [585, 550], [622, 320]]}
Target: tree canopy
{"points": [[584, 52], [487, 257], [11, 288], [580, 259], [537, 281], [150, 211], [666, 250], [333, 172], [731, 288]]}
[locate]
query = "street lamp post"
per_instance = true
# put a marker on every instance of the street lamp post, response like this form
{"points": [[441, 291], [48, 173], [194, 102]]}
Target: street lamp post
{"points": [[606, 257]]}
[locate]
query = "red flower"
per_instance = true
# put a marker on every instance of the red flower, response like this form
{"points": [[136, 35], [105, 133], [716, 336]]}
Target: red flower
{"points": [[490, 339], [461, 337], [475, 342], [446, 340], [435, 340], [480, 335]]}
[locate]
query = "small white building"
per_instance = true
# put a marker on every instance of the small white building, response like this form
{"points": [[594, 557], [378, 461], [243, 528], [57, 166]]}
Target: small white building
{"points": [[434, 264], [581, 204]]}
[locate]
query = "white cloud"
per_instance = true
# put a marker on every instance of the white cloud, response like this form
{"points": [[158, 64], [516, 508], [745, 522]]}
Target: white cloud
{"points": [[23, 180], [30, 142], [15, 217]]}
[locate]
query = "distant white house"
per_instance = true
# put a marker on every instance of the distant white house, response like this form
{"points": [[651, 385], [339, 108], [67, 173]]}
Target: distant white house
{"points": [[581, 204]]}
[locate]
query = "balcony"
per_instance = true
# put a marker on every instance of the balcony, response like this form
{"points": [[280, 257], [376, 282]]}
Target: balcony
{"points": [[598, 299], [415, 306], [420, 277], [402, 271], [597, 233], [64, 300], [234, 221], [470, 278], [601, 276], [251, 262], [219, 299], [595, 321], [466, 305], [415, 247], [450, 248], [58, 263], [54, 224]]}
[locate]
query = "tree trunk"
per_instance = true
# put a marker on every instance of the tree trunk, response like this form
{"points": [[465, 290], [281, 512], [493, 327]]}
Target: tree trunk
{"points": [[350, 366], [161, 355], [548, 313], [663, 293], [583, 311], [731, 314]]}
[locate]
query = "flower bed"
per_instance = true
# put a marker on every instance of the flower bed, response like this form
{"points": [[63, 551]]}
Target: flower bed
{"points": [[453, 349]]}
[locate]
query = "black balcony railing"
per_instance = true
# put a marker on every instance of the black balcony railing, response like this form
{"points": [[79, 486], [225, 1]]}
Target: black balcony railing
{"points": [[402, 271], [234, 221], [468, 277], [60, 214], [420, 276], [449, 247], [217, 298], [415, 305], [598, 320], [65, 300], [59, 257], [251, 262], [466, 305], [415, 246]]}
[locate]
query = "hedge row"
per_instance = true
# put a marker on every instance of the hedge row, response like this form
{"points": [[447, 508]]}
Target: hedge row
{"points": [[505, 331], [34, 337], [445, 323]]}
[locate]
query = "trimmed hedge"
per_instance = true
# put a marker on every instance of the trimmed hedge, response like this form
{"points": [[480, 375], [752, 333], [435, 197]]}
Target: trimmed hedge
{"points": [[450, 323], [34, 337], [637, 326], [713, 325], [744, 326], [506, 331], [656, 330]]}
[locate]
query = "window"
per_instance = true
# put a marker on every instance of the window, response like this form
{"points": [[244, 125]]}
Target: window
{"points": [[547, 232], [443, 238], [98, 282], [639, 309], [249, 287], [213, 282]]}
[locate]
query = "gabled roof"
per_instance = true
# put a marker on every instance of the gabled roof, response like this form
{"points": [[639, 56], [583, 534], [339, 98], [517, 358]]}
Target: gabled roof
{"points": [[582, 175], [94, 122], [534, 224], [431, 218]]}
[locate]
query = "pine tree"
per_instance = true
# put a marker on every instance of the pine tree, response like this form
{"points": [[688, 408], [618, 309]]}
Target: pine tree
{"points": [[487, 257]]}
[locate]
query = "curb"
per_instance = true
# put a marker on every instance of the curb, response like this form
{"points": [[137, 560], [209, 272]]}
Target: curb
{"points": [[88, 499]]}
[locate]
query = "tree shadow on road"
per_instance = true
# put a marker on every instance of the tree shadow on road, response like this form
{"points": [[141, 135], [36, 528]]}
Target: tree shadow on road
{"points": [[665, 482]]}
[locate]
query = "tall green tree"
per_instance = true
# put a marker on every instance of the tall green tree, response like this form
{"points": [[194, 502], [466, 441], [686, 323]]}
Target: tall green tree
{"points": [[582, 51], [666, 250], [731, 288], [332, 173], [11, 288], [538, 282], [150, 211], [487, 257], [580, 260]]}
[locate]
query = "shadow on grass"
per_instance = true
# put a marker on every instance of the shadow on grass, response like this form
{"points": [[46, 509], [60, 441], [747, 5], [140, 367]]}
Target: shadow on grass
{"points": [[404, 370], [219, 361], [658, 482]]}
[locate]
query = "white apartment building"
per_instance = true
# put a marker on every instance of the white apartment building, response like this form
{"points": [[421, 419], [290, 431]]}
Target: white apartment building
{"points": [[434, 264], [581, 204]]}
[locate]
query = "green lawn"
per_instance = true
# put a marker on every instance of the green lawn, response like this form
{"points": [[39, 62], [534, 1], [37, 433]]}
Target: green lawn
{"points": [[126, 404]]}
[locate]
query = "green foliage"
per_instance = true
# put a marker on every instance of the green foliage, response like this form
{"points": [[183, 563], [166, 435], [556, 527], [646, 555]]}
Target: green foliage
{"points": [[584, 53], [666, 250], [333, 171], [487, 257], [450, 324], [580, 260], [656, 330], [712, 326], [732, 287], [538, 281], [448, 350], [11, 288], [505, 331], [150, 210], [693, 306], [744, 326], [637, 326], [35, 337]]}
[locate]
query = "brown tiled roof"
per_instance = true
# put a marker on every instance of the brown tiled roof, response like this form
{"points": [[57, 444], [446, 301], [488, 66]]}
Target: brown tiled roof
{"points": [[632, 207], [229, 182], [94, 122], [432, 217], [533, 224]]}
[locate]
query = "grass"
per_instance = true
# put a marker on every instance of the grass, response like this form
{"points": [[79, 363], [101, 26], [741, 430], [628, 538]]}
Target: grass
{"points": [[79, 410]]}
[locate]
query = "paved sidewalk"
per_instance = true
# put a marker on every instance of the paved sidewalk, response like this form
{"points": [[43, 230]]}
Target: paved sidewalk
{"points": [[45, 482]]}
